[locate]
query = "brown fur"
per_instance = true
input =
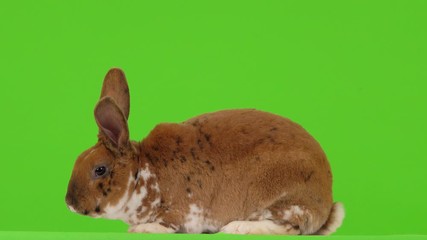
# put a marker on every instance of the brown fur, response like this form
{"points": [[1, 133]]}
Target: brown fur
{"points": [[234, 163], [257, 156]]}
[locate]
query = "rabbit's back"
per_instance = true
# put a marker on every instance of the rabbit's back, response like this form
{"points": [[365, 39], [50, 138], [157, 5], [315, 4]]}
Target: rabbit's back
{"points": [[249, 131]]}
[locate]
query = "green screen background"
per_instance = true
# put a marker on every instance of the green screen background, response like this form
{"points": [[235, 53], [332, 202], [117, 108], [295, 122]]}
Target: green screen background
{"points": [[353, 73]]}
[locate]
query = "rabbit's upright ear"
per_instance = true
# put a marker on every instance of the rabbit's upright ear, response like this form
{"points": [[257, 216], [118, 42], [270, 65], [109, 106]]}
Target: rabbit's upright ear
{"points": [[111, 122], [116, 87]]}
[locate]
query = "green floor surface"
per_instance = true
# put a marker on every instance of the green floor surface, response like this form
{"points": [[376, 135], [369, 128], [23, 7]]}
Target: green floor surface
{"points": [[125, 236]]}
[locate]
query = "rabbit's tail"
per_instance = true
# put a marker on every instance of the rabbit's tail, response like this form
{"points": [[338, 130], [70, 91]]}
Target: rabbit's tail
{"points": [[334, 221]]}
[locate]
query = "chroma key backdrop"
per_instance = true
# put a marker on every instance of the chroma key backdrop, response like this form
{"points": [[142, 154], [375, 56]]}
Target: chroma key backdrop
{"points": [[352, 73]]}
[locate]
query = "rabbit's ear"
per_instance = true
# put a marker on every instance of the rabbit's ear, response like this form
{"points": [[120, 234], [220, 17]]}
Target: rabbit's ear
{"points": [[116, 87], [111, 122]]}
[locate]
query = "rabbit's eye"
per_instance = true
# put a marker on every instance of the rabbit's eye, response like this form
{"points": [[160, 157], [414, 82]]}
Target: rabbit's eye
{"points": [[100, 171]]}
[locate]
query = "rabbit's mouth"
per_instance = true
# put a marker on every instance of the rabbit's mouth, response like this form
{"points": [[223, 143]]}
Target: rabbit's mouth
{"points": [[93, 214], [74, 210], [71, 208]]}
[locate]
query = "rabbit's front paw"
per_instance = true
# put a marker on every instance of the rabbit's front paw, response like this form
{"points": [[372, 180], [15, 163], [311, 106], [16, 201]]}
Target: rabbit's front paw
{"points": [[150, 228]]}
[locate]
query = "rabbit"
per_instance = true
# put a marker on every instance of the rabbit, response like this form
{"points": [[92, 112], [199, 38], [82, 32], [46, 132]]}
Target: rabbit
{"points": [[233, 171]]}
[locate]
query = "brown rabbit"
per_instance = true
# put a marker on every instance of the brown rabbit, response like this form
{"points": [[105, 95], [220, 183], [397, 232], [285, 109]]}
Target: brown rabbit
{"points": [[234, 171]]}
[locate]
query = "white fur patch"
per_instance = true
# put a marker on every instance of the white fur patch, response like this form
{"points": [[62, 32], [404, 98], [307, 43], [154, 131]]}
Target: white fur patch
{"points": [[292, 211], [155, 187], [132, 199], [261, 215], [258, 227], [335, 220], [155, 203], [196, 222], [117, 211], [71, 208], [131, 202], [145, 173], [150, 228], [266, 214], [134, 202]]}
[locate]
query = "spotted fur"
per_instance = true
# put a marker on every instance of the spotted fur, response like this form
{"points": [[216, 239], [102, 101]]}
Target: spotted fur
{"points": [[235, 171]]}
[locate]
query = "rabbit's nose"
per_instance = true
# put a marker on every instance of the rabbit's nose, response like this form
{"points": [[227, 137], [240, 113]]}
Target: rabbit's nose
{"points": [[71, 198]]}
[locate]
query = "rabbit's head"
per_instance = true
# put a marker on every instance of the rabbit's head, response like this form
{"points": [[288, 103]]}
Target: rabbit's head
{"points": [[101, 174]]}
